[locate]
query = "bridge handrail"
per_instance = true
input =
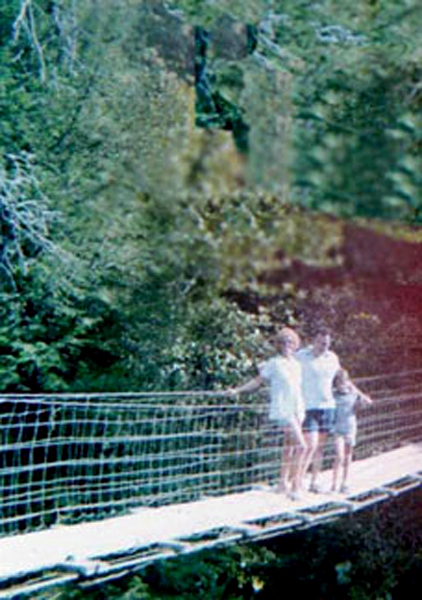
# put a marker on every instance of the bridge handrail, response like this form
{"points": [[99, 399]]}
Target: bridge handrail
{"points": [[81, 455]]}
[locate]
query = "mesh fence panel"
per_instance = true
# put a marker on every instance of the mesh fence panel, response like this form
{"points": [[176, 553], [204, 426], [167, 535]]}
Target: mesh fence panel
{"points": [[73, 458]]}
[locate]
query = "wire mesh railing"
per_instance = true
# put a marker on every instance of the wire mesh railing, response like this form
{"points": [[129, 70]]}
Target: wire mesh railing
{"points": [[71, 458]]}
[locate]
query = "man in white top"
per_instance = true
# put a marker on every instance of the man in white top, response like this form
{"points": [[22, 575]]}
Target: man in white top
{"points": [[283, 373], [319, 367]]}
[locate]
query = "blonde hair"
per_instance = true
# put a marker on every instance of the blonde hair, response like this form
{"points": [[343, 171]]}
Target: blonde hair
{"points": [[287, 333]]}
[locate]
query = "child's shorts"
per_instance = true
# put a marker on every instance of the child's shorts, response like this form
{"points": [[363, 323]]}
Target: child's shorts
{"points": [[348, 435]]}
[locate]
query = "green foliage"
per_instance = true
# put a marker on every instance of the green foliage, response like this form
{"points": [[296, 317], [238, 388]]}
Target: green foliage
{"points": [[353, 100], [44, 331], [353, 144], [248, 11], [129, 254]]}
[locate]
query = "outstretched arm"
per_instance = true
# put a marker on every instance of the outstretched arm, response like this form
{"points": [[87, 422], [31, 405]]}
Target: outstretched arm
{"points": [[249, 386], [364, 399]]}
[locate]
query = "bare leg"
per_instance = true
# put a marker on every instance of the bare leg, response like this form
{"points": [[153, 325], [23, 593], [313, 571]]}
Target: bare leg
{"points": [[286, 461], [348, 454], [294, 448], [300, 447], [317, 462], [338, 461], [311, 439]]}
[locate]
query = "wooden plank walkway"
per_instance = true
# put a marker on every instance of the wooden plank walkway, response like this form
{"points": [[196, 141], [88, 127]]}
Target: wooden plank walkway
{"points": [[116, 546]]}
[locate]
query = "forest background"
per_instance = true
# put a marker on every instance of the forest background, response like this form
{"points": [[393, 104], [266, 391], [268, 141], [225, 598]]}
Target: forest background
{"points": [[179, 178]]}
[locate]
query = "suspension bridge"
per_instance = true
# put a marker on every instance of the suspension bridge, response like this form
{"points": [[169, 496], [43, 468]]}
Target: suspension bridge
{"points": [[97, 486]]}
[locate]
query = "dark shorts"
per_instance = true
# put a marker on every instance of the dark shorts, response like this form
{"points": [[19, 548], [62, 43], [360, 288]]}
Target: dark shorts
{"points": [[319, 419]]}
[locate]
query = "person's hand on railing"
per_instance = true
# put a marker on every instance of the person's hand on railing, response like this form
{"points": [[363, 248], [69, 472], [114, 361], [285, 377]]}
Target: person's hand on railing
{"points": [[250, 386], [232, 392], [364, 399]]}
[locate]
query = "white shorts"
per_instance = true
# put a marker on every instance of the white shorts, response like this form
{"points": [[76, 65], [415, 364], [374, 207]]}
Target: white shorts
{"points": [[348, 436]]}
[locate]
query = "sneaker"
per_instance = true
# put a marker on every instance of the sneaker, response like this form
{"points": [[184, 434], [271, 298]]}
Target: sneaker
{"points": [[295, 496], [316, 489], [281, 489]]}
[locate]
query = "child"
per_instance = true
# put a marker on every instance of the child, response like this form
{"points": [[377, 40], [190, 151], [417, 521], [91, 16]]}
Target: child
{"points": [[348, 398]]}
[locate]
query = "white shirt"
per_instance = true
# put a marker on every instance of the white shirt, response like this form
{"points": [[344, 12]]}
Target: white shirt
{"points": [[317, 377], [285, 379]]}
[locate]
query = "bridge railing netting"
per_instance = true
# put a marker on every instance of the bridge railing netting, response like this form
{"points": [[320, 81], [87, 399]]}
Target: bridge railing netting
{"points": [[71, 458]]}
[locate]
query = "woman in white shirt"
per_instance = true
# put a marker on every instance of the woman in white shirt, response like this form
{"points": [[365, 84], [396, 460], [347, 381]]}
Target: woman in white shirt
{"points": [[283, 374]]}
